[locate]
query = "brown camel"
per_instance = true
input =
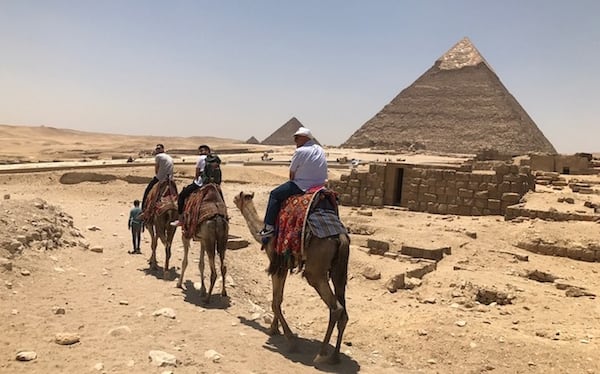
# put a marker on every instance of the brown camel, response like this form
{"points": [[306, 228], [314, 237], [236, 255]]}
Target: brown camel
{"points": [[158, 223], [212, 230], [325, 258]]}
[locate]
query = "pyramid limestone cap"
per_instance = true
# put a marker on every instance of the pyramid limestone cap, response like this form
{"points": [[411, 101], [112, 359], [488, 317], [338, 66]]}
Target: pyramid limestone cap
{"points": [[460, 55], [303, 131]]}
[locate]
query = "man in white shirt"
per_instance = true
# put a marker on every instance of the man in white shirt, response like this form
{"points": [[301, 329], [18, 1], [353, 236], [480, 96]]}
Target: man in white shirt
{"points": [[308, 169], [204, 150], [163, 170]]}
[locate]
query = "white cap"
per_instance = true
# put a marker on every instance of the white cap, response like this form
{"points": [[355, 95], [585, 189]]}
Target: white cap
{"points": [[303, 131]]}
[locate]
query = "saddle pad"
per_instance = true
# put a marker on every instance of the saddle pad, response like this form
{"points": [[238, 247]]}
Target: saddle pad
{"points": [[290, 224], [201, 205]]}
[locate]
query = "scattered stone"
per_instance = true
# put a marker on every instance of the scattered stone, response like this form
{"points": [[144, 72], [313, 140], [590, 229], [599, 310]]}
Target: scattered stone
{"points": [[25, 272], [489, 296], [212, 355], [6, 196], [471, 234], [371, 273], [66, 338], [429, 300], [165, 312], [160, 359], [422, 332], [26, 356], [6, 264], [119, 331], [234, 244], [58, 310], [577, 292], [541, 276], [99, 366], [366, 212], [412, 283], [97, 249], [93, 228], [123, 302], [461, 323], [394, 283]]}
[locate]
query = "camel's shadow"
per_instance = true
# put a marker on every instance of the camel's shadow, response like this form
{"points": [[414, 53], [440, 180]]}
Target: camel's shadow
{"points": [[304, 352], [193, 296], [157, 272]]}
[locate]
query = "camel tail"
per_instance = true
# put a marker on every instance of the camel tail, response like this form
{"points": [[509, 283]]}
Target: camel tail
{"points": [[339, 269]]}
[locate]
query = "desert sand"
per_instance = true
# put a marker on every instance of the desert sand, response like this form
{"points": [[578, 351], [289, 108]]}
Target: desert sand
{"points": [[74, 276]]}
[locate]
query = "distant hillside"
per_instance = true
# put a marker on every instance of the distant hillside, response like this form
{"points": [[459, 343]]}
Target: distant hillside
{"points": [[43, 143]]}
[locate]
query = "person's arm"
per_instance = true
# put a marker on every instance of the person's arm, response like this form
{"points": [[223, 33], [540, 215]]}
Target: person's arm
{"points": [[292, 175], [156, 167]]}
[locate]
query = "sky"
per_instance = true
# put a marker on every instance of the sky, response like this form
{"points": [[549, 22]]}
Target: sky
{"points": [[236, 69]]}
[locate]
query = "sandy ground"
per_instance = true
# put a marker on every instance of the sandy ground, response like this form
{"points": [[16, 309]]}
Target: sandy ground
{"points": [[109, 298]]}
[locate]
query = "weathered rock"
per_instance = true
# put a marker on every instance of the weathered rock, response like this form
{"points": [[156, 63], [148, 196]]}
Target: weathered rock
{"points": [[165, 312], [119, 331], [394, 283], [26, 356], [97, 249], [66, 338], [371, 273], [6, 264], [58, 310], [213, 355], [160, 358], [234, 244]]}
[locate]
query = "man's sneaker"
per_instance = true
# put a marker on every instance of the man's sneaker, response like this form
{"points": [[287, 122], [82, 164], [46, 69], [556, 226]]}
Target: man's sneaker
{"points": [[176, 223], [267, 232]]}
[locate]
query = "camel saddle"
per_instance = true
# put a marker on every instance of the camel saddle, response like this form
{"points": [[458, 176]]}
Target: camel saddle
{"points": [[161, 198], [313, 213], [202, 204]]}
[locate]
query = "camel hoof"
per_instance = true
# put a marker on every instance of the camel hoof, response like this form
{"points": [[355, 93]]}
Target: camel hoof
{"points": [[179, 285], [330, 360]]}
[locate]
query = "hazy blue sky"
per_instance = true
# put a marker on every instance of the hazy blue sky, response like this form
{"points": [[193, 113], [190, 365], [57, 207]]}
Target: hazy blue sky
{"points": [[243, 68]]}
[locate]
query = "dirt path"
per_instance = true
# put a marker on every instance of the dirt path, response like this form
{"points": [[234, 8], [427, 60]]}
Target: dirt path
{"points": [[109, 298]]}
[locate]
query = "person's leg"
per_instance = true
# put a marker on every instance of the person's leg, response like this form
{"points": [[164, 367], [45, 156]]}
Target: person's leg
{"points": [[276, 197], [181, 199], [136, 230], [147, 190]]}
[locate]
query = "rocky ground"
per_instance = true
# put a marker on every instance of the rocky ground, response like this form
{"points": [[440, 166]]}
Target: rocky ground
{"points": [[73, 298]]}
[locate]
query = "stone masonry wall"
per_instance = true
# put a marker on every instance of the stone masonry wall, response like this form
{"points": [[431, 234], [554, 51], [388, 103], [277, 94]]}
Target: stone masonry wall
{"points": [[361, 188], [441, 191]]}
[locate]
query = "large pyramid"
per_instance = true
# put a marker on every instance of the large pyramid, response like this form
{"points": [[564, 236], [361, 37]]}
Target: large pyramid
{"points": [[285, 134], [459, 105]]}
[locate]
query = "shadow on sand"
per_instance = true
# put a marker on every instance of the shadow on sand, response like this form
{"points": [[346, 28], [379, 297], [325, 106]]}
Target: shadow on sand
{"points": [[171, 275], [304, 352], [192, 296]]}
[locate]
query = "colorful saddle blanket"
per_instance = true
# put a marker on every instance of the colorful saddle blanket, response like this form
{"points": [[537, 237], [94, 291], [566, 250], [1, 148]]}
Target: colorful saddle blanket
{"points": [[201, 205], [317, 208], [161, 198]]}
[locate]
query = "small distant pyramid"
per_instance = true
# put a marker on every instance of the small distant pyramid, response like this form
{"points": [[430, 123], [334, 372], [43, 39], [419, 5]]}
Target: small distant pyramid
{"points": [[252, 140], [459, 105], [285, 134]]}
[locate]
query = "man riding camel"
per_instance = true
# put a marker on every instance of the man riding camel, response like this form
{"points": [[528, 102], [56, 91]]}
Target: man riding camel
{"points": [[308, 169], [163, 170]]}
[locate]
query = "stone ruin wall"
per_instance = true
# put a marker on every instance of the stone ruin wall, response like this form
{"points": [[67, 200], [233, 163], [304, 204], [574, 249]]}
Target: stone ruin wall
{"points": [[440, 191], [361, 188]]}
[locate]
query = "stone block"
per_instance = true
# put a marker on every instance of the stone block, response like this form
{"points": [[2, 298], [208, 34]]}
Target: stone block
{"points": [[463, 192], [423, 269], [377, 247], [510, 197]]}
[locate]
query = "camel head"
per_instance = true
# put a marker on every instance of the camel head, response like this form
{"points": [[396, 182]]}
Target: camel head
{"points": [[243, 198]]}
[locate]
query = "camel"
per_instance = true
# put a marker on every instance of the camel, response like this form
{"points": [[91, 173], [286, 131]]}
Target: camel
{"points": [[325, 258], [158, 223], [212, 233]]}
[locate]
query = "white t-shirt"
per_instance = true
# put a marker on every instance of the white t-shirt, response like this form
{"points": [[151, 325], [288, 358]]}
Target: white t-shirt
{"points": [[165, 166], [200, 164], [309, 164]]}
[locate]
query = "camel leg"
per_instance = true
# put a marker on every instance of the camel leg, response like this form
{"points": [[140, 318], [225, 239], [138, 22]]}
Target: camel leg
{"points": [[210, 251], [222, 236], [168, 240], [223, 270], [320, 282], [339, 277], [201, 266], [153, 244], [278, 280], [184, 262]]}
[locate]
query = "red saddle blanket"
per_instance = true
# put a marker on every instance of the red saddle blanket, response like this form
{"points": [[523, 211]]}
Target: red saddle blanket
{"points": [[291, 222], [162, 197], [201, 205]]}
